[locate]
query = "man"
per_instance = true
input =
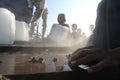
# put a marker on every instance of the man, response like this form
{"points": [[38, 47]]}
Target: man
{"points": [[105, 49], [41, 9], [59, 32], [74, 33], [91, 29], [61, 20]]}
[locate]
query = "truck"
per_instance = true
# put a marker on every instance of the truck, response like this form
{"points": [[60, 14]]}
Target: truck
{"points": [[39, 59]]}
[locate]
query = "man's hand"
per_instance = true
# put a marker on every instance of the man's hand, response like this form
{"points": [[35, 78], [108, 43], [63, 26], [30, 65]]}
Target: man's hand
{"points": [[96, 59], [34, 23]]}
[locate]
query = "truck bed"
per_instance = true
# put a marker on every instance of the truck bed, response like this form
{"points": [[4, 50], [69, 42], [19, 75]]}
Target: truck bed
{"points": [[17, 57]]}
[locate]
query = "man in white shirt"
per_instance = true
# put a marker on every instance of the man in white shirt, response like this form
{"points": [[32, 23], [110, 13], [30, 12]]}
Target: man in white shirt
{"points": [[60, 32]]}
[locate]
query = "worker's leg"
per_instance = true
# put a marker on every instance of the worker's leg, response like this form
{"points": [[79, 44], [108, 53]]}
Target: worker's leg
{"points": [[37, 14], [44, 18]]}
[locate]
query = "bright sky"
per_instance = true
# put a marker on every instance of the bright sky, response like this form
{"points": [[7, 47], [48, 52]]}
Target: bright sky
{"points": [[81, 12]]}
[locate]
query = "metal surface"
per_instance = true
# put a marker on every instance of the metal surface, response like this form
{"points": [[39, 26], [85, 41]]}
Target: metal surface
{"points": [[18, 60]]}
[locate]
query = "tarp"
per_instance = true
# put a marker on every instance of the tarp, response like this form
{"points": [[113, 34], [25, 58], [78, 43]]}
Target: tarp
{"points": [[19, 8]]}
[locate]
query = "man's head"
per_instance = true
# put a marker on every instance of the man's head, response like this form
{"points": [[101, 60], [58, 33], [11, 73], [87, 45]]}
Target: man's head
{"points": [[74, 27], [61, 18], [91, 27], [79, 31]]}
